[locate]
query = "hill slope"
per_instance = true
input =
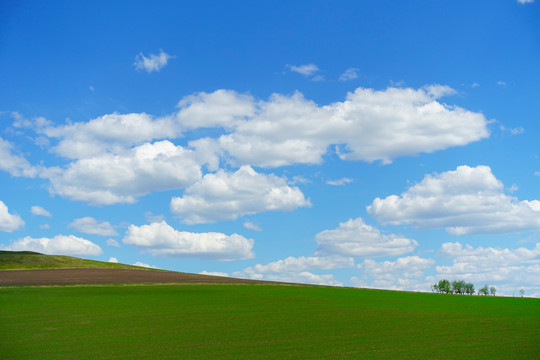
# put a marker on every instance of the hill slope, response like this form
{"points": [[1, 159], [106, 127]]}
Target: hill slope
{"points": [[28, 260]]}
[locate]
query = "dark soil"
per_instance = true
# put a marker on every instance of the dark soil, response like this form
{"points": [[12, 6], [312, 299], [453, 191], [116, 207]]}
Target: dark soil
{"points": [[108, 276]]}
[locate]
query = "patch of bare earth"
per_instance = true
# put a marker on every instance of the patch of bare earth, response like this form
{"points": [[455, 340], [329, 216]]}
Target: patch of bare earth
{"points": [[108, 276]]}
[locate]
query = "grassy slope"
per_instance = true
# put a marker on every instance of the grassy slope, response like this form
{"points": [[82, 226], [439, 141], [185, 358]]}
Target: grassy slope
{"points": [[261, 321], [27, 260]]}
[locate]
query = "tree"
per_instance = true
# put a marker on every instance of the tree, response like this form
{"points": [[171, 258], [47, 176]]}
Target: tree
{"points": [[484, 290], [469, 289], [435, 288], [458, 287], [444, 286], [492, 290], [522, 292]]}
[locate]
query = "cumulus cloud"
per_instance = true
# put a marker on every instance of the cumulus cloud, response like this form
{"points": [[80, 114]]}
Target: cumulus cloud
{"points": [[369, 126], [113, 260], [349, 74], [251, 226], [305, 277], [226, 196], [38, 210], [9, 222], [112, 242], [153, 62], [15, 165], [299, 264], [58, 245], [89, 225], [110, 179], [306, 69], [112, 133], [161, 240], [214, 273], [141, 264], [465, 201], [356, 238], [402, 274], [340, 182], [508, 268], [221, 108]]}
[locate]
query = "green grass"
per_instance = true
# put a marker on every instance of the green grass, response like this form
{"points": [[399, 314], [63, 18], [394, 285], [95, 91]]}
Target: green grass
{"points": [[261, 322], [28, 260]]}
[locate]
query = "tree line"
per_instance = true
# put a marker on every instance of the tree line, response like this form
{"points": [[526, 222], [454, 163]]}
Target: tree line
{"points": [[461, 287]]}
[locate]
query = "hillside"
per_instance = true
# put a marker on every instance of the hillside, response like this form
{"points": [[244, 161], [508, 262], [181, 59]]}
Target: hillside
{"points": [[28, 260]]}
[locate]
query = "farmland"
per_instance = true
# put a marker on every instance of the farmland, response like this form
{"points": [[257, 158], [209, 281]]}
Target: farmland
{"points": [[249, 321]]}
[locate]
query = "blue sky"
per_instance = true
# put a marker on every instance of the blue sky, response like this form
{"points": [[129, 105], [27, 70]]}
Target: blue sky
{"points": [[378, 144]]}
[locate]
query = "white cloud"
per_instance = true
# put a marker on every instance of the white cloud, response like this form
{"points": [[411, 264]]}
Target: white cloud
{"points": [[89, 225], [221, 108], [501, 83], [509, 269], [112, 133], [226, 196], [153, 62], [465, 201], [58, 245], [525, 1], [369, 125], [298, 264], [15, 165], [113, 260], [112, 242], [110, 179], [9, 222], [251, 226], [38, 210], [355, 238], [161, 240], [141, 264], [340, 182], [305, 277], [214, 273], [306, 70], [402, 274], [349, 74]]}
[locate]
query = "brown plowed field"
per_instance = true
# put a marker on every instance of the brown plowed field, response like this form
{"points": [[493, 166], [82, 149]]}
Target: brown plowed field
{"points": [[107, 276]]}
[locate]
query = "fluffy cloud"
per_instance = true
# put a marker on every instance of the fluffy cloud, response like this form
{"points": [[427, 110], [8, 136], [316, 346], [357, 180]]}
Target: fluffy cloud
{"points": [[357, 239], [113, 260], [110, 179], [110, 133], [153, 62], [306, 70], [509, 269], [349, 74], [89, 225], [299, 264], [304, 277], [161, 240], [9, 222], [58, 245], [38, 210], [465, 201], [15, 165], [340, 182], [369, 125], [226, 196], [222, 108], [401, 274], [141, 264]]}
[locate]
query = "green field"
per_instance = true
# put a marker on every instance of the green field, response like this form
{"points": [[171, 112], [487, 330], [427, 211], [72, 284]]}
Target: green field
{"points": [[28, 260], [261, 322]]}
